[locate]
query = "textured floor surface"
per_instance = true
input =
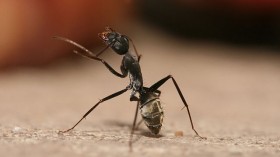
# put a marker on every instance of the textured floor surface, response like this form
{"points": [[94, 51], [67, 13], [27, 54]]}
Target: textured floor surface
{"points": [[233, 95]]}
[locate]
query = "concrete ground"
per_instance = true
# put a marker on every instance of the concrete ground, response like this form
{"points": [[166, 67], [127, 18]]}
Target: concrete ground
{"points": [[233, 94]]}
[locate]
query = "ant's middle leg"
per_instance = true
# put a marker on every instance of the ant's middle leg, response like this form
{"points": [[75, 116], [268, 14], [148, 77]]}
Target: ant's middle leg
{"points": [[133, 126], [158, 84], [100, 101]]}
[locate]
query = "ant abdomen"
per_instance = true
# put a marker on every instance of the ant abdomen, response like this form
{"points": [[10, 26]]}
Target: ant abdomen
{"points": [[151, 112]]}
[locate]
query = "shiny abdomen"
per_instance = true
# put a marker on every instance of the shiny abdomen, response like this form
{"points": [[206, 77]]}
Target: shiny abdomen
{"points": [[152, 112]]}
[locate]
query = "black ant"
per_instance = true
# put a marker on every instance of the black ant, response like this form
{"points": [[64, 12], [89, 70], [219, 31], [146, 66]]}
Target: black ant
{"points": [[148, 100]]}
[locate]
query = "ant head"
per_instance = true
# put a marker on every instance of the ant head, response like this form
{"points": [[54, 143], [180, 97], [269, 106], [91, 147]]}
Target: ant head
{"points": [[119, 43]]}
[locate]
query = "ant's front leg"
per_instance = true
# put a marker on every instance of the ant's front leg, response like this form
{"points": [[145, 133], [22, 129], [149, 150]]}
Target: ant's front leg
{"points": [[109, 67], [134, 47], [90, 54]]}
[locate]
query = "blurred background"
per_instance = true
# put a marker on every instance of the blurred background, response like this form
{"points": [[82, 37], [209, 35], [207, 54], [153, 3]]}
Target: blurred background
{"points": [[223, 54], [27, 27]]}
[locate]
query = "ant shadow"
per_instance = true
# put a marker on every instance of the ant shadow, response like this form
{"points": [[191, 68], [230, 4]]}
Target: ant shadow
{"points": [[139, 130]]}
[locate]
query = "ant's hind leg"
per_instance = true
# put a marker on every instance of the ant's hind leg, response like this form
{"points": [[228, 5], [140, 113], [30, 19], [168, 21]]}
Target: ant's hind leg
{"points": [[158, 84], [158, 92]]}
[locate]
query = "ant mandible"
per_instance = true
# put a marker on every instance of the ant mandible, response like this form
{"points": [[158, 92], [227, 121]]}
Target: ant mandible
{"points": [[148, 100]]}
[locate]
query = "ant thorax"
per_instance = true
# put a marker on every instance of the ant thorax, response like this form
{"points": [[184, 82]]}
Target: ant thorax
{"points": [[132, 66]]}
